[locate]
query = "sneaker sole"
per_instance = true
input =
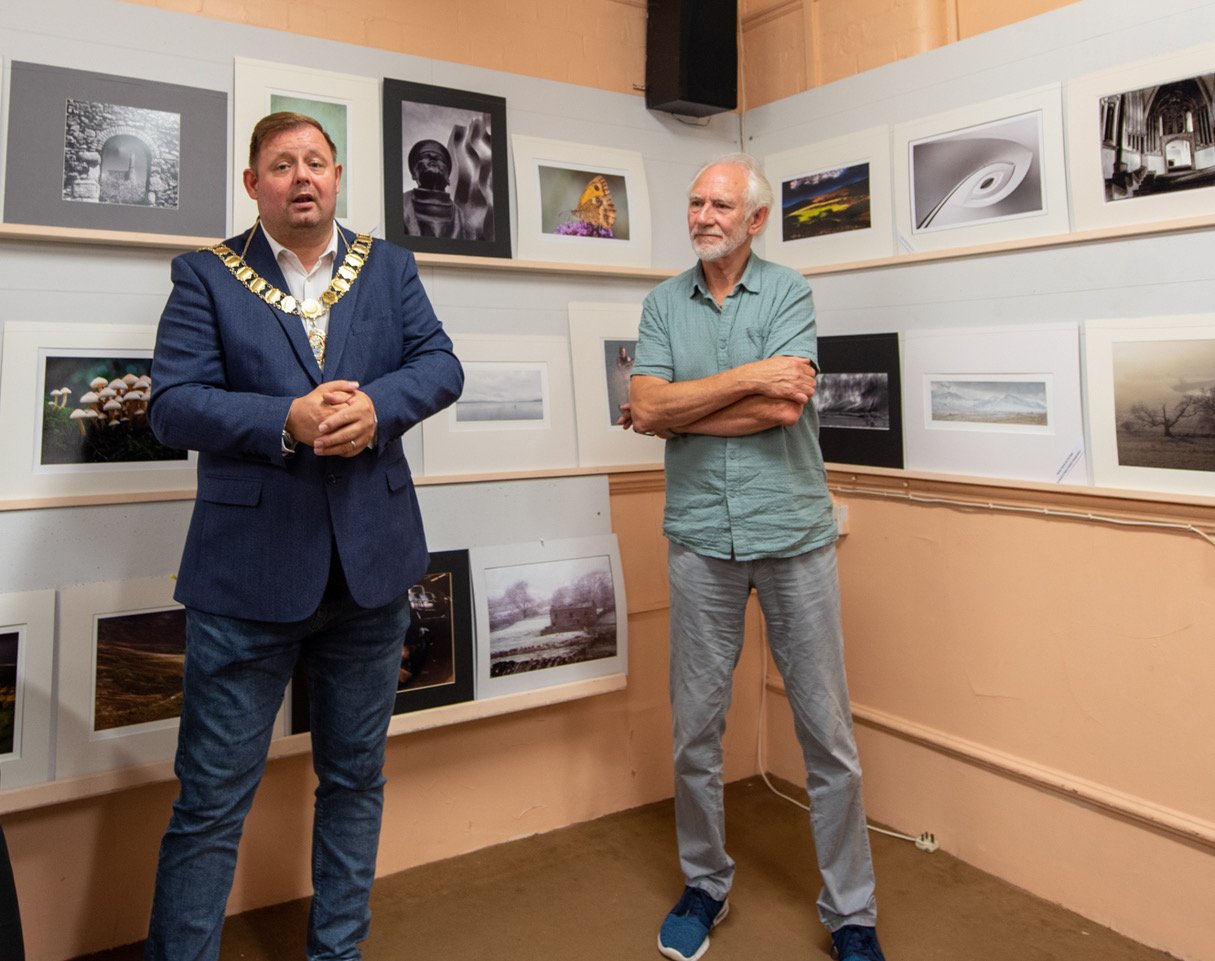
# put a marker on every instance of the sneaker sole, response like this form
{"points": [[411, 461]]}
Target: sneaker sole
{"points": [[704, 945]]}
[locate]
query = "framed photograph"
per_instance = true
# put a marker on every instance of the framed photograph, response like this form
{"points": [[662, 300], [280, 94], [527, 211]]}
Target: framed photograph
{"points": [[1151, 396], [859, 400], [115, 153], [75, 399], [27, 643], [548, 612], [603, 344], [833, 201], [347, 106], [436, 654], [1140, 140], [984, 174], [995, 401], [122, 647], [516, 412], [445, 170], [581, 204]]}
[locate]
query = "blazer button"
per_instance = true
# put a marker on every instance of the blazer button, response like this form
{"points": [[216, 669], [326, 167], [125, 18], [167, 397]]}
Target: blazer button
{"points": [[331, 479]]}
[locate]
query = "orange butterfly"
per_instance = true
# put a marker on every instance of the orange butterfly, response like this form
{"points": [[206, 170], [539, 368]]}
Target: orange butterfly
{"points": [[595, 205]]}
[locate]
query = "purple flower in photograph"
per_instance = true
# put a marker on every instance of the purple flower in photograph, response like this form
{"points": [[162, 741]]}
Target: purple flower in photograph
{"points": [[580, 228]]}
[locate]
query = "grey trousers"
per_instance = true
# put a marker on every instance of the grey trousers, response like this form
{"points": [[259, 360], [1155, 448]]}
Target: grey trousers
{"points": [[799, 597]]}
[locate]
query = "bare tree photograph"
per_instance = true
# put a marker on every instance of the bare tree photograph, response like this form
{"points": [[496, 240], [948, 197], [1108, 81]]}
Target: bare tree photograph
{"points": [[1164, 402], [550, 614]]}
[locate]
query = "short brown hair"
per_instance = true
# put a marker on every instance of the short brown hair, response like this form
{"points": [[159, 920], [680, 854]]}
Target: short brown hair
{"points": [[276, 123]]}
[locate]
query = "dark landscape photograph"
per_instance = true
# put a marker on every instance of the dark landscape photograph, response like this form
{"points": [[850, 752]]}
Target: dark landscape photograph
{"points": [[826, 202], [140, 660]]}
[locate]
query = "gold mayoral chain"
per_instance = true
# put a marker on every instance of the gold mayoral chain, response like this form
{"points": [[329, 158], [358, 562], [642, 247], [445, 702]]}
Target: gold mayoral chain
{"points": [[308, 310]]}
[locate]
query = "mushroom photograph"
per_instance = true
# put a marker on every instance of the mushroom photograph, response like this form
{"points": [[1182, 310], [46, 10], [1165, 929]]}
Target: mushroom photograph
{"points": [[95, 411]]}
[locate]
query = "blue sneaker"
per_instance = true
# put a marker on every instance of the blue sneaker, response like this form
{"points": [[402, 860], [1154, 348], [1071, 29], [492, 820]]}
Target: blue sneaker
{"points": [[684, 935], [856, 942]]}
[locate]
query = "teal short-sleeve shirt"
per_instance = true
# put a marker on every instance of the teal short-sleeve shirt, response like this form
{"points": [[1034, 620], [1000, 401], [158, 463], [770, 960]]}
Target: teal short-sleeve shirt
{"points": [[742, 498]]}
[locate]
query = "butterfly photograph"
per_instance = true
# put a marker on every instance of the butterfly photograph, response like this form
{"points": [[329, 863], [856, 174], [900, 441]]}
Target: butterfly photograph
{"points": [[583, 203], [579, 203]]}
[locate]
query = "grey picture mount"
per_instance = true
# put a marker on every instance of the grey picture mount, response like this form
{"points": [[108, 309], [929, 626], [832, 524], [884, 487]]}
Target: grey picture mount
{"points": [[691, 59]]}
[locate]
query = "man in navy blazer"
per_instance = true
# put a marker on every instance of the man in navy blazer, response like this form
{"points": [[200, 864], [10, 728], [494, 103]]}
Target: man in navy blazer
{"points": [[292, 358]]}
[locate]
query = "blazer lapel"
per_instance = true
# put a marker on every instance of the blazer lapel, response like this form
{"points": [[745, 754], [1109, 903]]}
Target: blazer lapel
{"points": [[342, 313], [261, 258]]}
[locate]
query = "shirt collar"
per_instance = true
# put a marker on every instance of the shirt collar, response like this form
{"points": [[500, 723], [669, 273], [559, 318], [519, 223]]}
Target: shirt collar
{"points": [[750, 279], [280, 251]]}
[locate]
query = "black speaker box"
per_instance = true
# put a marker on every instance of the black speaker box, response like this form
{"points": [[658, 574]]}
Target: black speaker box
{"points": [[691, 56]]}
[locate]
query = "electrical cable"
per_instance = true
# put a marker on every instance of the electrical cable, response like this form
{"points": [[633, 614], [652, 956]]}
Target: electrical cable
{"points": [[1019, 509], [759, 750]]}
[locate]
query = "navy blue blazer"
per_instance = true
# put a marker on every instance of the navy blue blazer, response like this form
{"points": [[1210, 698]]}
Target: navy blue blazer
{"points": [[226, 368]]}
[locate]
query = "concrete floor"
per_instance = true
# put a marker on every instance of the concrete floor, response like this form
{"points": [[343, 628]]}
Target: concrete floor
{"points": [[599, 891]]}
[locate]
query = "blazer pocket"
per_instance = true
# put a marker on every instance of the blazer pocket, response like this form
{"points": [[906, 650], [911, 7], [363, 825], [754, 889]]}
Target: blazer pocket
{"points": [[397, 475], [239, 491]]}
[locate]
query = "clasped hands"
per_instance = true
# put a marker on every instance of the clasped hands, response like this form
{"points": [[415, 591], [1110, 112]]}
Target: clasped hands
{"points": [[335, 419]]}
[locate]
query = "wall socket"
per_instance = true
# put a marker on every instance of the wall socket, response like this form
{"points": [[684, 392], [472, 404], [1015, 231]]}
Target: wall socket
{"points": [[840, 512]]}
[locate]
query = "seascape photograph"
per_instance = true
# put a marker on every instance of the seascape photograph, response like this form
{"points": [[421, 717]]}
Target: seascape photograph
{"points": [[503, 395]]}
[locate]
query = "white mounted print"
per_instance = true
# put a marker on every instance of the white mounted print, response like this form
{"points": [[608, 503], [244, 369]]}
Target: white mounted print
{"points": [[1140, 140], [548, 613], [603, 344], [27, 644], [1151, 385], [833, 201], [985, 174], [516, 411], [995, 401]]}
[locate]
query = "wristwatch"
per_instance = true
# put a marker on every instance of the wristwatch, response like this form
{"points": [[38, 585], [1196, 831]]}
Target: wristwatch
{"points": [[288, 443]]}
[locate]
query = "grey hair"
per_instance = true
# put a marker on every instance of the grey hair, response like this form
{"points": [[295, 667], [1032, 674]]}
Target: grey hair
{"points": [[759, 191]]}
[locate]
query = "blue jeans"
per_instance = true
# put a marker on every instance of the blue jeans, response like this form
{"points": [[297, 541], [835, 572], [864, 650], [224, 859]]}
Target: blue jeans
{"points": [[235, 675], [800, 600]]}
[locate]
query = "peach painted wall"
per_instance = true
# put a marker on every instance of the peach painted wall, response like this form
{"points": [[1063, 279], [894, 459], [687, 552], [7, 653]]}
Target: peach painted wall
{"points": [[594, 43], [788, 45], [85, 869], [793, 45], [991, 655]]}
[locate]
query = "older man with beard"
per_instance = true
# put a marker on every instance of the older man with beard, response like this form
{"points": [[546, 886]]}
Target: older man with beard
{"points": [[724, 372]]}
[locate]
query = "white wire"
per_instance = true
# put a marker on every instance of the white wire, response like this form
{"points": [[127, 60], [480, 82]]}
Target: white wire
{"points": [[759, 745], [1018, 509]]}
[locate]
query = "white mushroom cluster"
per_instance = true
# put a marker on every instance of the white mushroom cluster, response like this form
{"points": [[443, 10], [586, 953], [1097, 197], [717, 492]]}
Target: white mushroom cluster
{"points": [[109, 403]]}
